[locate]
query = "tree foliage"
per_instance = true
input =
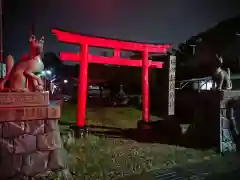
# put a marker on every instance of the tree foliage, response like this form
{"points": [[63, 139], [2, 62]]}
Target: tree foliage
{"points": [[219, 39], [51, 60]]}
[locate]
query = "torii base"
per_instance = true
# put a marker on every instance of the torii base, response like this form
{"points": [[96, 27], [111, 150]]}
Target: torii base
{"points": [[79, 132]]}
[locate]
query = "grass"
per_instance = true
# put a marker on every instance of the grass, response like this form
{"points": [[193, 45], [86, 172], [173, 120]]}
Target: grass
{"points": [[106, 116], [99, 157]]}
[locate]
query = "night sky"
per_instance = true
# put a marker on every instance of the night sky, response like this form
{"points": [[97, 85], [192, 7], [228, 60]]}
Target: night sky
{"points": [[157, 21]]}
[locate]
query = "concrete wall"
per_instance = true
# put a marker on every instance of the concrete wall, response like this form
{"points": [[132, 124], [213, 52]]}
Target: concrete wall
{"points": [[208, 114]]}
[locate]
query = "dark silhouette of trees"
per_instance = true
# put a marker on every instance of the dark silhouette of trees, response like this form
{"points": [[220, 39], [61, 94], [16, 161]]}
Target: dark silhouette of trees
{"points": [[219, 39], [51, 60]]}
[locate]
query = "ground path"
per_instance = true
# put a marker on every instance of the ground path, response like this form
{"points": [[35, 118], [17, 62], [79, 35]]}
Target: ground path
{"points": [[220, 168]]}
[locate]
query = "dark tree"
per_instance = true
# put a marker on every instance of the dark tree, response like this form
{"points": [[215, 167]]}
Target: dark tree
{"points": [[136, 55], [51, 60]]}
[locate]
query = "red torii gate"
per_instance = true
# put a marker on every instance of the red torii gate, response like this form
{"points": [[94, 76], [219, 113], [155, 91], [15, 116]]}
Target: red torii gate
{"points": [[84, 58]]}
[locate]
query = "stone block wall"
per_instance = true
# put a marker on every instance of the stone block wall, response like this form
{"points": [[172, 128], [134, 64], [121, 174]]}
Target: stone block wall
{"points": [[30, 149], [227, 134]]}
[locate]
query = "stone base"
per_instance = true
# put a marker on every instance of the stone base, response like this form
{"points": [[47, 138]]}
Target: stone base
{"points": [[29, 113], [23, 99], [144, 131], [230, 94], [30, 148], [144, 125], [80, 132], [162, 131], [215, 112]]}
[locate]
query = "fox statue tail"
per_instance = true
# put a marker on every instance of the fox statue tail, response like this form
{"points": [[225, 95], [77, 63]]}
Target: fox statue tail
{"points": [[9, 65]]}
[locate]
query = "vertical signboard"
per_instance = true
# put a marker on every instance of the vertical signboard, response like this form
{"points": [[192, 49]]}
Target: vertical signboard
{"points": [[171, 85]]}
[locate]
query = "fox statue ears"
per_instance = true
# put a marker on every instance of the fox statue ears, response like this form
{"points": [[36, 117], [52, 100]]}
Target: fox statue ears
{"points": [[34, 41], [36, 47], [219, 58], [41, 41]]}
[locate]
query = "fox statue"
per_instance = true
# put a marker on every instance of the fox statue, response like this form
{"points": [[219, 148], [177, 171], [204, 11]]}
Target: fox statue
{"points": [[18, 73], [220, 76]]}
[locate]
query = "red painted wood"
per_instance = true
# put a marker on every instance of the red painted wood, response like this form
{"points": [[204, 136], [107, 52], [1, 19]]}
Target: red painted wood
{"points": [[116, 53], [145, 87], [84, 58], [82, 86], [75, 57], [108, 43]]}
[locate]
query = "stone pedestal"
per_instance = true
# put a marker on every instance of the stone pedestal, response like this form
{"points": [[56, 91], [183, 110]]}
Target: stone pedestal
{"points": [[220, 107], [15, 99], [30, 142], [215, 119], [79, 132], [229, 106]]}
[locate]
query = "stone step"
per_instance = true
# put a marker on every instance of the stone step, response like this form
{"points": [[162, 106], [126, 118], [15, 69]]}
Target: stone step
{"points": [[19, 99], [29, 113]]}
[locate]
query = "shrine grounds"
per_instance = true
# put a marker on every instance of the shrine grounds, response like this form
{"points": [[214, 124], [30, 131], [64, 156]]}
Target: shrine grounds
{"points": [[109, 153]]}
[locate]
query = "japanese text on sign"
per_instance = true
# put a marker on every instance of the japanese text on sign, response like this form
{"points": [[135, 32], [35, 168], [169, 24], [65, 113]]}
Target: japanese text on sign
{"points": [[171, 90]]}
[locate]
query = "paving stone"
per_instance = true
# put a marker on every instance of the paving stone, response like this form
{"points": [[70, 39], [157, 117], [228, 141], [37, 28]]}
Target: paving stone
{"points": [[34, 127], [6, 146], [35, 163], [56, 161], [10, 165], [49, 141], [13, 129], [25, 144]]}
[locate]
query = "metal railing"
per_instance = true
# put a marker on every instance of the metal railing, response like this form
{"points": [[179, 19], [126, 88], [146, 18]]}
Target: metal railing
{"points": [[201, 82]]}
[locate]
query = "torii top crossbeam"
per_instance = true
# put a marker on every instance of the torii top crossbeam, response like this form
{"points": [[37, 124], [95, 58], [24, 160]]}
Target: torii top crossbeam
{"points": [[84, 58]]}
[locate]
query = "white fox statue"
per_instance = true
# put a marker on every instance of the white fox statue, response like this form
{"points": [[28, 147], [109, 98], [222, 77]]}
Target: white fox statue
{"points": [[18, 73]]}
